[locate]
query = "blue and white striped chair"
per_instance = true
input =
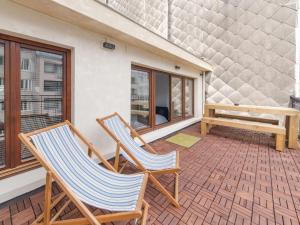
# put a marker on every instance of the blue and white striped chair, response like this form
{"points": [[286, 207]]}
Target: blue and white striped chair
{"points": [[144, 160], [82, 180]]}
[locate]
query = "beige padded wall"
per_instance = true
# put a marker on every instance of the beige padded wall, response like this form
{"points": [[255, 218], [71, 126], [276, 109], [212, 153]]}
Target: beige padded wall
{"points": [[250, 43], [152, 14]]}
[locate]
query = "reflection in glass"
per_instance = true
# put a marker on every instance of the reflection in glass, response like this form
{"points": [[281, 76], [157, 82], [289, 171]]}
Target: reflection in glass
{"points": [[41, 91], [140, 105], [176, 90], [188, 97], [2, 133]]}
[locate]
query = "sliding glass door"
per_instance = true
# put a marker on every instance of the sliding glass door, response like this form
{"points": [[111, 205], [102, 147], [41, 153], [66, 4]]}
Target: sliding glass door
{"points": [[159, 98], [140, 99], [176, 97], [162, 98]]}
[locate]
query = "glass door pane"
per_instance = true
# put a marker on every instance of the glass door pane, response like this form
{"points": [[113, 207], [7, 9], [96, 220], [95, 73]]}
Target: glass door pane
{"points": [[176, 94], [2, 133], [41, 89], [140, 99], [162, 98], [189, 97]]}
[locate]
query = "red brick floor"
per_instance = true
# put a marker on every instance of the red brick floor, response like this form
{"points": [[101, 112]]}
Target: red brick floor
{"points": [[229, 177]]}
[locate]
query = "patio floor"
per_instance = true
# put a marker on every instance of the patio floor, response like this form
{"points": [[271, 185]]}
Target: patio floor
{"points": [[229, 177]]}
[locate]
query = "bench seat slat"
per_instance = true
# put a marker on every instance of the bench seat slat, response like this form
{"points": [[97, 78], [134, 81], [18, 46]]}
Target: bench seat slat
{"points": [[249, 125]]}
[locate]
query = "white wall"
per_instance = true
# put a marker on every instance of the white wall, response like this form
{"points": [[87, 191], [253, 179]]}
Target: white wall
{"points": [[101, 79]]}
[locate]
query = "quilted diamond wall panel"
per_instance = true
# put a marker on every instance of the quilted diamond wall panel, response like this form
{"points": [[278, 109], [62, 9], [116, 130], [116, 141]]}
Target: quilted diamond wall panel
{"points": [[153, 14], [250, 43]]}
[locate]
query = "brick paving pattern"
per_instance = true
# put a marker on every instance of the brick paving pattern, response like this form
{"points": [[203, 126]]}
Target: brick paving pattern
{"points": [[229, 177]]}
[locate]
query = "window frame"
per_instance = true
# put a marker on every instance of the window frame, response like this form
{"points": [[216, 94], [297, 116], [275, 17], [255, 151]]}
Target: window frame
{"points": [[12, 88], [152, 114]]}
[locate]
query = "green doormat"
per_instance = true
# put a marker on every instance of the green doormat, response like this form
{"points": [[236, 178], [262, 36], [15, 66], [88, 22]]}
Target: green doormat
{"points": [[184, 140]]}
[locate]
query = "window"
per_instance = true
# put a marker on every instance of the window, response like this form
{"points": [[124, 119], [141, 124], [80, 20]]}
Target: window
{"points": [[25, 64], [158, 98], [26, 106], [52, 68], [26, 84], [52, 104], [1, 60], [50, 85], [33, 103]]}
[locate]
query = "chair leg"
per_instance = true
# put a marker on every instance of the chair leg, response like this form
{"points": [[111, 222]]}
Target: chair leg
{"points": [[280, 142], [145, 213], [117, 157], [48, 193], [176, 189], [164, 191]]}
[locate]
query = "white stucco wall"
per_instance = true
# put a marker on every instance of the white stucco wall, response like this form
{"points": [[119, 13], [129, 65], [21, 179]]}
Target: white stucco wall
{"points": [[101, 80]]}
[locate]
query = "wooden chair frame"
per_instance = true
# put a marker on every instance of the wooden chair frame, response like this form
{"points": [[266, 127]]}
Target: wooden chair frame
{"points": [[140, 212], [134, 134]]}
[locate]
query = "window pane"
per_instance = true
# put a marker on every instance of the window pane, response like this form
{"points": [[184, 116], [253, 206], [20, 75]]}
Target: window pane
{"points": [[2, 135], [140, 105], [41, 92], [189, 97], [176, 86]]}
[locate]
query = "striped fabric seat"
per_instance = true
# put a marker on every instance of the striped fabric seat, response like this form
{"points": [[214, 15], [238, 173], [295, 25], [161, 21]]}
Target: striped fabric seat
{"points": [[148, 160], [90, 182]]}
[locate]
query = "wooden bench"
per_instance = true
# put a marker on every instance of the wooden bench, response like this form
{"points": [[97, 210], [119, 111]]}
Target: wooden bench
{"points": [[291, 117], [248, 125]]}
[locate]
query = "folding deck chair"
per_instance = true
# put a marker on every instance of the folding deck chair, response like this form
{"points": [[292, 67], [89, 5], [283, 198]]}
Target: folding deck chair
{"points": [[144, 160], [82, 180]]}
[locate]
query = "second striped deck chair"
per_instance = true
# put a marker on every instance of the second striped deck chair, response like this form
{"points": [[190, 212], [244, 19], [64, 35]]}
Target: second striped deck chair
{"points": [[82, 180], [144, 160]]}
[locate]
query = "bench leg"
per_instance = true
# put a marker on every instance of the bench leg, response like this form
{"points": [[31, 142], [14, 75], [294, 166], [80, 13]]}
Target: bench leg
{"points": [[280, 142], [203, 128]]}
